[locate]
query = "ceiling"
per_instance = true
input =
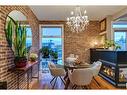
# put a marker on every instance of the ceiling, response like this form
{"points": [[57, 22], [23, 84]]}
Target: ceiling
{"points": [[62, 12]]}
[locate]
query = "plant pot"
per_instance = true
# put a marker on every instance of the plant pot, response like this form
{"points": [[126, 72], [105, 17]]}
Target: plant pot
{"points": [[20, 62], [32, 60], [45, 56], [54, 61], [111, 48]]}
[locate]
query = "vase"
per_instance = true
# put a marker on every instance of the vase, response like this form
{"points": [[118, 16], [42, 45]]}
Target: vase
{"points": [[111, 48], [20, 62]]}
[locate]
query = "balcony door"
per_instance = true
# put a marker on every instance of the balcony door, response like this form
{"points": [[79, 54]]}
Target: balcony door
{"points": [[52, 38]]}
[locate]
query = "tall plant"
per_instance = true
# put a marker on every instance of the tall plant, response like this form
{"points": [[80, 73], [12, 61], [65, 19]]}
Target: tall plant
{"points": [[16, 37], [20, 40]]}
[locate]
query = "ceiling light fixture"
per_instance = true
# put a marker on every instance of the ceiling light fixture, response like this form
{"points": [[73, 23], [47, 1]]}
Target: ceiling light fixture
{"points": [[78, 21]]}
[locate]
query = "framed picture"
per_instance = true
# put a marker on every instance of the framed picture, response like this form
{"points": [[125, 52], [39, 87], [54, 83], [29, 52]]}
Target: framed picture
{"points": [[103, 25]]}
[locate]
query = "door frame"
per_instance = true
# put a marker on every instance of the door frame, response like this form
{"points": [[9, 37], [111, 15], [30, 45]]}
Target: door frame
{"points": [[52, 25]]}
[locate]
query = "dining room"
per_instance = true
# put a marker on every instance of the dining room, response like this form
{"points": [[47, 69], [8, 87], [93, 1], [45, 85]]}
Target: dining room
{"points": [[63, 47]]}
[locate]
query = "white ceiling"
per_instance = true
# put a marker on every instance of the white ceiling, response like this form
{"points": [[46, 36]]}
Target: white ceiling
{"points": [[62, 12]]}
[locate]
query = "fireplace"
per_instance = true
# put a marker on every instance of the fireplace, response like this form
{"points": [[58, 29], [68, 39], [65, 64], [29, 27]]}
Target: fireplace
{"points": [[114, 66]]}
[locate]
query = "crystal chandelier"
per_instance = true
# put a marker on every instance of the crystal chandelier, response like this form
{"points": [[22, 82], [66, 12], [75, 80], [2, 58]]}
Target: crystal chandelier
{"points": [[78, 21]]}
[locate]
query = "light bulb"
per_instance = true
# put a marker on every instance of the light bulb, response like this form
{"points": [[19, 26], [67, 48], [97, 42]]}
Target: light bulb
{"points": [[72, 12], [67, 19], [85, 12]]}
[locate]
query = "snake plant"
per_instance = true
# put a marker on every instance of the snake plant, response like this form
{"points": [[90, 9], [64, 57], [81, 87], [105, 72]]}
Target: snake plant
{"points": [[16, 37], [20, 40]]}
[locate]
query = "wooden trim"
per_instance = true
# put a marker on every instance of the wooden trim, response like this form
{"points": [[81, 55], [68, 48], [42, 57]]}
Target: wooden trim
{"points": [[52, 22], [103, 33]]}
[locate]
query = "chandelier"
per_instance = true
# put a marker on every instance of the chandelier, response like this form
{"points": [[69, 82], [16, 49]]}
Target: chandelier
{"points": [[78, 21]]}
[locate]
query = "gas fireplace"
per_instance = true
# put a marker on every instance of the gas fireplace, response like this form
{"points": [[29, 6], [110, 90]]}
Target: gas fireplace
{"points": [[114, 66]]}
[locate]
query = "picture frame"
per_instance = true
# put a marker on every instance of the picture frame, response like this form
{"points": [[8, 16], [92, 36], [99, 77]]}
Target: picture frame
{"points": [[103, 25]]}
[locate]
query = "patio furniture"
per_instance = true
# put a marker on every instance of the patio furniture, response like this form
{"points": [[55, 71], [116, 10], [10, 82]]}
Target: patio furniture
{"points": [[57, 71]]}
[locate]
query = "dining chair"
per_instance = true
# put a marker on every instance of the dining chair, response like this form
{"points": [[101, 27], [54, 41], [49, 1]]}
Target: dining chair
{"points": [[80, 78], [96, 66], [57, 71]]}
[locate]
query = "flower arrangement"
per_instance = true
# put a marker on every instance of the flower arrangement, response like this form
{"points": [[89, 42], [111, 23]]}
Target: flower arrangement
{"points": [[77, 61], [33, 57]]}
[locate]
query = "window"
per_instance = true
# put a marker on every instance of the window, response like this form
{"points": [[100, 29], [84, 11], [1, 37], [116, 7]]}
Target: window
{"points": [[120, 38], [28, 37], [120, 35]]}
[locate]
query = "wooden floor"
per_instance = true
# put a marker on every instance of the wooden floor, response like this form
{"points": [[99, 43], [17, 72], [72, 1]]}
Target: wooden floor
{"points": [[45, 78]]}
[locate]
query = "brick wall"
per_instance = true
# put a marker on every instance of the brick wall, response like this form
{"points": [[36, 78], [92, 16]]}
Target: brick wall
{"points": [[6, 54], [80, 43]]}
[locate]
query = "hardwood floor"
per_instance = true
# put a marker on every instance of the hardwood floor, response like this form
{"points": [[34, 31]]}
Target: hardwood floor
{"points": [[45, 78]]}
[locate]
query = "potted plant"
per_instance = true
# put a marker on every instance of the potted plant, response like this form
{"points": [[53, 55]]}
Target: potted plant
{"points": [[19, 44], [33, 57], [111, 45], [45, 52], [16, 37], [54, 56]]}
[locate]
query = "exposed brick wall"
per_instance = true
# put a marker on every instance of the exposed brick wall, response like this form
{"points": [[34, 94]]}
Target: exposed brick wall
{"points": [[6, 54], [80, 43]]}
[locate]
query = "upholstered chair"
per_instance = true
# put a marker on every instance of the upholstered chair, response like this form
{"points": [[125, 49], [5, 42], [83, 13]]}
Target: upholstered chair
{"points": [[56, 71], [80, 77], [96, 66]]}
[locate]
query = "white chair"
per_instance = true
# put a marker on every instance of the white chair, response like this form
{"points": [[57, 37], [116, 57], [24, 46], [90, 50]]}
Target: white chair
{"points": [[96, 66], [56, 71], [72, 55], [71, 58], [80, 77]]}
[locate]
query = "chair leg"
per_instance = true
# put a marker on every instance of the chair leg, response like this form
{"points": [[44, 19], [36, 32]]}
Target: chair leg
{"points": [[73, 86], [52, 80], [62, 80], [97, 82], [54, 83], [84, 87]]}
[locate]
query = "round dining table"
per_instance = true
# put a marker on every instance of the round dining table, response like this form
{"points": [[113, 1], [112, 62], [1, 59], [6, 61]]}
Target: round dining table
{"points": [[72, 66]]}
